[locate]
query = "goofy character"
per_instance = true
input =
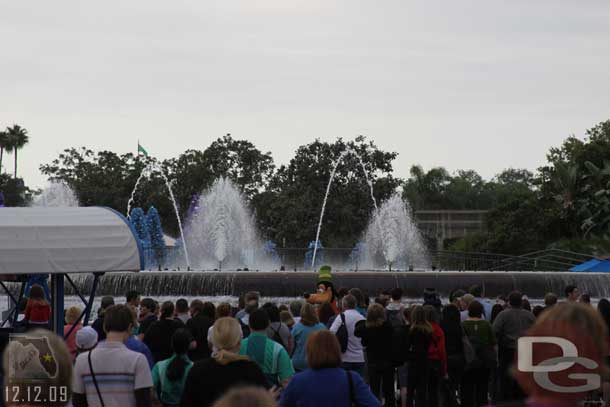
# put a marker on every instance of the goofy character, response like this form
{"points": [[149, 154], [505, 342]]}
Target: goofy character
{"points": [[325, 290]]}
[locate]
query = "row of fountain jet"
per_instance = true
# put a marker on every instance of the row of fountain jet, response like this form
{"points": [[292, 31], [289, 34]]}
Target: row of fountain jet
{"points": [[220, 231]]}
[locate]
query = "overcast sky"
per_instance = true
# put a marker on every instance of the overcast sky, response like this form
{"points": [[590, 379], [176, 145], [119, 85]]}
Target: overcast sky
{"points": [[482, 85]]}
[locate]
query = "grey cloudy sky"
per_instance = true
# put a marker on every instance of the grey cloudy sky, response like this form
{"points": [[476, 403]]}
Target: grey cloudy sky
{"points": [[480, 84]]}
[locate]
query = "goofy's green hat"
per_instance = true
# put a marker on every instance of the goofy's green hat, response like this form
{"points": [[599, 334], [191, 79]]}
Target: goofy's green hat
{"points": [[324, 275]]}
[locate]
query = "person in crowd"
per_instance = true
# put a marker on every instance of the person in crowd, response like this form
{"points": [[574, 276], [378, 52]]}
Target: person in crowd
{"points": [[286, 319], [308, 324], [377, 335], [603, 307], [455, 297], [580, 325], [158, 337], [169, 375], [431, 298], [295, 310], [269, 355], [222, 310], [251, 300], [325, 290], [182, 310], [278, 331], [454, 345], [361, 304], [111, 374], [478, 294], [418, 366], [86, 339], [353, 357], [38, 310], [466, 300], [202, 319], [437, 356], [98, 324], [325, 384], [475, 383], [246, 396], [508, 327], [394, 310], [148, 316], [326, 314], [525, 304], [132, 299], [572, 293], [282, 307], [537, 310], [208, 379], [495, 310], [54, 391], [585, 299], [136, 345], [550, 299], [72, 319]]}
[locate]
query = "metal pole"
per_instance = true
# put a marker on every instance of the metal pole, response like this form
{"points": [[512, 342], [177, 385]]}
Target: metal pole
{"points": [[57, 306]]}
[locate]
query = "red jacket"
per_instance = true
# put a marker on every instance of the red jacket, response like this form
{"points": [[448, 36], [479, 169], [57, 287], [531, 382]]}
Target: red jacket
{"points": [[437, 350], [38, 311]]}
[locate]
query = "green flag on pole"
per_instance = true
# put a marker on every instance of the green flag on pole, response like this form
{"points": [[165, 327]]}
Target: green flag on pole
{"points": [[141, 150]]}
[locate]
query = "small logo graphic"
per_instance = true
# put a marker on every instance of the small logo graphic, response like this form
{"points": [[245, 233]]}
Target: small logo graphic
{"points": [[581, 381], [31, 358]]}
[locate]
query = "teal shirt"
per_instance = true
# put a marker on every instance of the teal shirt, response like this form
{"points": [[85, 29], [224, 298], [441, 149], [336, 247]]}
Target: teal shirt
{"points": [[301, 332], [168, 392], [270, 356]]}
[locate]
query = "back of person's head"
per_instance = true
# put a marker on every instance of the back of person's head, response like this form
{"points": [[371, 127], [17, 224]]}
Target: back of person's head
{"points": [[223, 310], [286, 319], [495, 310], [118, 318], [475, 310], [209, 310], [86, 338], [550, 299], [181, 341], [467, 299], [342, 292], [418, 319], [167, 310], [375, 316], [603, 306], [431, 314], [451, 315], [182, 306], [476, 291], [251, 297], [323, 350], [295, 308], [226, 334], [585, 298], [349, 302], [246, 396], [259, 320], [131, 296], [325, 313], [537, 310], [272, 311], [587, 333], [515, 299], [196, 307], [73, 315], [149, 304], [569, 289], [308, 315], [37, 292], [396, 293], [21, 370], [360, 300], [456, 294]]}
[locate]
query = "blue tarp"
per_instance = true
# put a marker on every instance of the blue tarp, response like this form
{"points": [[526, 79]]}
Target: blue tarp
{"points": [[593, 266]]}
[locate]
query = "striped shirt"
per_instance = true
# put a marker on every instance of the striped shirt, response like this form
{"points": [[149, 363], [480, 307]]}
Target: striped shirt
{"points": [[118, 372], [270, 356]]}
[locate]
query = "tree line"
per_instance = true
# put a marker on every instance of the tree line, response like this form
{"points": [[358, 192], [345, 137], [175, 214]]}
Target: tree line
{"points": [[564, 204]]}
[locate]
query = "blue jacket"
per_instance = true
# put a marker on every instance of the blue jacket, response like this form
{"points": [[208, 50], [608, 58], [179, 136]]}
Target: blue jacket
{"points": [[327, 387], [140, 347]]}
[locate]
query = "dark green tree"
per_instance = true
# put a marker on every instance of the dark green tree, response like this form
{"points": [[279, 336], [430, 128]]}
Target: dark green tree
{"points": [[17, 137]]}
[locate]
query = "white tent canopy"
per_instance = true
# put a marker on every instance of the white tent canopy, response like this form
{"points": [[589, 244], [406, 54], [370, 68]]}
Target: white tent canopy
{"points": [[66, 240]]}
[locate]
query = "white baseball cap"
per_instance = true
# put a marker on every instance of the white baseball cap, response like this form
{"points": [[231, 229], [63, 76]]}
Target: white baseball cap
{"points": [[86, 338]]}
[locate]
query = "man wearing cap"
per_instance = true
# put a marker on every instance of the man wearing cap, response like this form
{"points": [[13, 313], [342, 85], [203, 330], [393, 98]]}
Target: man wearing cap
{"points": [[326, 290]]}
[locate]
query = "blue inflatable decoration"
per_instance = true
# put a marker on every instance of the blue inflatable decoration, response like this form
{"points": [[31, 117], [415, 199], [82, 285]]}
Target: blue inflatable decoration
{"points": [[309, 255], [157, 241]]}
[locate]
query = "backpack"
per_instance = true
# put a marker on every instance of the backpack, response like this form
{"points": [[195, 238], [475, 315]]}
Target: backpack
{"points": [[342, 334], [276, 335], [484, 355], [394, 317]]}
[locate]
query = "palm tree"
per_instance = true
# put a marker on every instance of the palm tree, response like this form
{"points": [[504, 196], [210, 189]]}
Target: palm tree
{"points": [[18, 137], [3, 146]]}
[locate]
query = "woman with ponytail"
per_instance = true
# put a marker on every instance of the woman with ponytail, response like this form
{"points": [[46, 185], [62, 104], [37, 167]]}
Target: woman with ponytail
{"points": [[211, 378], [169, 375]]}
